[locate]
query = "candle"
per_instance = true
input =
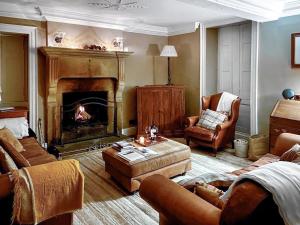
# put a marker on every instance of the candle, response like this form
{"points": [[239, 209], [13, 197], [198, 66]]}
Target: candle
{"points": [[142, 140]]}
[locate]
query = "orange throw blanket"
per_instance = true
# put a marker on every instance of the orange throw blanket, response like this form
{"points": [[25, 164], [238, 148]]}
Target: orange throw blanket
{"points": [[44, 191]]}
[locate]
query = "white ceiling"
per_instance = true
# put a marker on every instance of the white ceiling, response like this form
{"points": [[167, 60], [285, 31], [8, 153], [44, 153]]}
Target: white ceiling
{"points": [[158, 17]]}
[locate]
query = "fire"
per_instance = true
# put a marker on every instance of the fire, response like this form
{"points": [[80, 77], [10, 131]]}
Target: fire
{"points": [[81, 114]]}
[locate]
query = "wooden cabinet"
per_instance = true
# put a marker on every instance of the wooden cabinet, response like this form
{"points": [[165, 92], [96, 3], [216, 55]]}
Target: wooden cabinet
{"points": [[163, 106], [285, 117]]}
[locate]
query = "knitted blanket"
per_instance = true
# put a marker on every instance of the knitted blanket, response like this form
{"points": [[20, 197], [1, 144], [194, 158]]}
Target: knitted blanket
{"points": [[282, 180], [44, 191]]}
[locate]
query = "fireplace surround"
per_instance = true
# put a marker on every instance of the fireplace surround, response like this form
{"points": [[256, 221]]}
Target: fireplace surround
{"points": [[78, 70]]}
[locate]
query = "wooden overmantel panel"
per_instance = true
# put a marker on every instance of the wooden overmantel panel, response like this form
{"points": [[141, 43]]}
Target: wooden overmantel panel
{"points": [[64, 63]]}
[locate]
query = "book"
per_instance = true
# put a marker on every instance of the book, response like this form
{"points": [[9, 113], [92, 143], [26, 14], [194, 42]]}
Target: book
{"points": [[119, 145], [130, 156]]}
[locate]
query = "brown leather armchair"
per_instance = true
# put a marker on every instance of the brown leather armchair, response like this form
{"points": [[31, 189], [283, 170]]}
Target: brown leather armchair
{"points": [[249, 203], [224, 132]]}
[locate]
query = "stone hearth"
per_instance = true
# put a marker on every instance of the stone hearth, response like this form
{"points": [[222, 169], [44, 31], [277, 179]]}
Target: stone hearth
{"points": [[82, 70]]}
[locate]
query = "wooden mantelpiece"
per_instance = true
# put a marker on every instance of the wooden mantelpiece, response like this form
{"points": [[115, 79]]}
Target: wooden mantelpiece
{"points": [[65, 63], [82, 52]]}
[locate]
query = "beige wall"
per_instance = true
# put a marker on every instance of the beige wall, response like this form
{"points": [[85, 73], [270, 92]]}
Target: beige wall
{"points": [[185, 68], [275, 72], [143, 67], [211, 61]]}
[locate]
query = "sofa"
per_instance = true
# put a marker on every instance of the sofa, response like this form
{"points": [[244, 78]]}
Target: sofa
{"points": [[249, 203], [35, 155]]}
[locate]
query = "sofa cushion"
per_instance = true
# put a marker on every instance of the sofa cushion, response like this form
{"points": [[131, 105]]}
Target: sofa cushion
{"points": [[7, 136], [266, 159], [34, 153], [18, 158], [210, 119], [209, 193], [292, 154], [197, 132], [6, 162]]}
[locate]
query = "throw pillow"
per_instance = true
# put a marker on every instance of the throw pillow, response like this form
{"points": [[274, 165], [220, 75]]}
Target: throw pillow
{"points": [[6, 162], [209, 193], [210, 119], [292, 154], [18, 126], [7, 136], [18, 158]]}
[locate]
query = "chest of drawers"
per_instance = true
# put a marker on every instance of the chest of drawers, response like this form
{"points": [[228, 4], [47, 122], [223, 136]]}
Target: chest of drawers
{"points": [[285, 117]]}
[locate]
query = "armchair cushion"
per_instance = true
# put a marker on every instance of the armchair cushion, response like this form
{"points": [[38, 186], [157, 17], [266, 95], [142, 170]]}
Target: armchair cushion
{"points": [[210, 119], [196, 131]]}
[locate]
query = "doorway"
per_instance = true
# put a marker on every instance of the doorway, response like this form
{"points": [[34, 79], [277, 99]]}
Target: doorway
{"points": [[229, 57], [14, 69], [32, 86], [234, 68]]}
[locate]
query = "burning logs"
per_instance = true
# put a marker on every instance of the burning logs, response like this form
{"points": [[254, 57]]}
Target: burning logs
{"points": [[81, 114]]}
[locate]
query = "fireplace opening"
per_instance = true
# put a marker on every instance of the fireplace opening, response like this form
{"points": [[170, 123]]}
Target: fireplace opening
{"points": [[84, 115]]}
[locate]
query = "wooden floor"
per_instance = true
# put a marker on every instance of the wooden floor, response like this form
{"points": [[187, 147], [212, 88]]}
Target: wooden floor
{"points": [[107, 203]]}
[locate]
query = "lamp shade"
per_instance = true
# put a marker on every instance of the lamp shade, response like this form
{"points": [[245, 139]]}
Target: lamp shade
{"points": [[168, 51]]}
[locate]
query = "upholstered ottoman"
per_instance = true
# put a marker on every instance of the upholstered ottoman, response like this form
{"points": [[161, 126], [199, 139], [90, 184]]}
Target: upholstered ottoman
{"points": [[173, 159]]}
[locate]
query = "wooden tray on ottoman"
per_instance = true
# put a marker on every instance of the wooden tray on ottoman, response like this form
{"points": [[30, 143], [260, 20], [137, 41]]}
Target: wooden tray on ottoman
{"points": [[173, 159], [148, 142]]}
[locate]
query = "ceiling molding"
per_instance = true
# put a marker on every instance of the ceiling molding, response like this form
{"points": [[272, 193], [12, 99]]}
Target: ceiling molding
{"points": [[256, 10], [237, 11], [218, 23], [291, 8], [64, 16]]}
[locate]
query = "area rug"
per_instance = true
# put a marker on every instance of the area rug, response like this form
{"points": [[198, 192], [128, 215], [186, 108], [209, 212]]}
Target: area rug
{"points": [[107, 203]]}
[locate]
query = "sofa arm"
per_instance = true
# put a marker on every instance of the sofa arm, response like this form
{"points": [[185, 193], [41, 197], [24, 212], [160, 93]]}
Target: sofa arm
{"points": [[176, 204], [5, 185], [192, 120], [284, 142]]}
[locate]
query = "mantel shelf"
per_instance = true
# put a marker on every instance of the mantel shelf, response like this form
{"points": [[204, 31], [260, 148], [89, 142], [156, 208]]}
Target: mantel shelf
{"points": [[56, 51]]}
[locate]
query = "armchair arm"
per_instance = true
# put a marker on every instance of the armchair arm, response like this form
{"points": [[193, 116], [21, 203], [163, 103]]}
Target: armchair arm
{"points": [[223, 126], [176, 204], [192, 120], [284, 142]]}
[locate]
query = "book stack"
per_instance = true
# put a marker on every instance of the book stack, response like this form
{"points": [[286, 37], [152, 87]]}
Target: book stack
{"points": [[121, 145]]}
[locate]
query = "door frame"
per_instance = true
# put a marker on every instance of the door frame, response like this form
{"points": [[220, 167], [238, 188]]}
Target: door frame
{"points": [[254, 70], [32, 68]]}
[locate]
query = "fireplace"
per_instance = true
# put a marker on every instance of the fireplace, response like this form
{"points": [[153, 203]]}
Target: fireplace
{"points": [[79, 70], [84, 116]]}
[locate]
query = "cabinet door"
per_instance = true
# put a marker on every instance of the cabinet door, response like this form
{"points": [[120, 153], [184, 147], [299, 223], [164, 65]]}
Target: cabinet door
{"points": [[165, 112], [145, 107], [178, 110]]}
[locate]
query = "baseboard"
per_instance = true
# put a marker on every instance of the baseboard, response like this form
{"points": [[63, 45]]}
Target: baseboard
{"points": [[130, 131]]}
